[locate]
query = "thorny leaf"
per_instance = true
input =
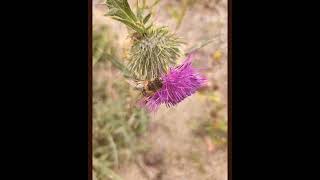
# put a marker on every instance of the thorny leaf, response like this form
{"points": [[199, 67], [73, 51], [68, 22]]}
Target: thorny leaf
{"points": [[145, 20]]}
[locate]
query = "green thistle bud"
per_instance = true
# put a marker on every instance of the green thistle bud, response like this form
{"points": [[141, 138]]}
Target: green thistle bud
{"points": [[152, 54], [153, 50]]}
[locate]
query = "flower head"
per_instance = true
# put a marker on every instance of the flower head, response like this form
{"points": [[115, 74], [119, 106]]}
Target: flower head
{"points": [[152, 54], [179, 83]]}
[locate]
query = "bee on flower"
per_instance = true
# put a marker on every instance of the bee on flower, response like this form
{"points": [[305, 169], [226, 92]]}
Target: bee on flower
{"points": [[179, 83]]}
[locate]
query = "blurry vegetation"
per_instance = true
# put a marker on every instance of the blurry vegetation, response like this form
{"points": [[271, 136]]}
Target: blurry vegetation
{"points": [[101, 43], [197, 160], [178, 11], [116, 121], [214, 128]]}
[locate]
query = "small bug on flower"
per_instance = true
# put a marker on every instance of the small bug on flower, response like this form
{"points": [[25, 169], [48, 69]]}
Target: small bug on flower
{"points": [[177, 84], [151, 87]]}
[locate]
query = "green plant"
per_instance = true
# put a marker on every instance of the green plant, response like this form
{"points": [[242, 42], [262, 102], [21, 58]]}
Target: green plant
{"points": [[216, 130], [154, 49], [116, 126], [215, 125], [153, 54], [179, 12], [101, 43]]}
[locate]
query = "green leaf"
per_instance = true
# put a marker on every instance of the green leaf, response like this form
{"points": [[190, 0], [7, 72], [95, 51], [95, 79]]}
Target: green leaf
{"points": [[145, 20], [132, 25], [148, 27], [115, 62], [112, 12], [121, 11]]}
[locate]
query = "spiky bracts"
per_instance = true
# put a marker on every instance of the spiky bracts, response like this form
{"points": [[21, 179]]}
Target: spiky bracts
{"points": [[153, 50], [152, 54], [179, 83]]}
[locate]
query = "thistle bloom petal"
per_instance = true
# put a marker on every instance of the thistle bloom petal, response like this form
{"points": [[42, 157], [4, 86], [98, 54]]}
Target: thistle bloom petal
{"points": [[179, 83]]}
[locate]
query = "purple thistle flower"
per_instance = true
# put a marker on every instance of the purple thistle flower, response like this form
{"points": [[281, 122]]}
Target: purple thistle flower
{"points": [[179, 83]]}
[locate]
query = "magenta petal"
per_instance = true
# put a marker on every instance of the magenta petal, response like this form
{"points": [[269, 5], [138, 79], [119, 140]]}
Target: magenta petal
{"points": [[179, 83]]}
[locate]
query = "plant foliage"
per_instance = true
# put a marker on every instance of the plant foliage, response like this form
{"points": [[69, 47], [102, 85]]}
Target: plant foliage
{"points": [[116, 126], [154, 49], [153, 54]]}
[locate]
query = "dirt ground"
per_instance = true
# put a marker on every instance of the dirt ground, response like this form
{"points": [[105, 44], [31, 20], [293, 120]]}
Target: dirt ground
{"points": [[176, 153], [184, 157]]}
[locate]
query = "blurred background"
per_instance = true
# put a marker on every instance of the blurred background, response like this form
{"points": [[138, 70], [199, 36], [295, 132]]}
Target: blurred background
{"points": [[187, 142]]}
